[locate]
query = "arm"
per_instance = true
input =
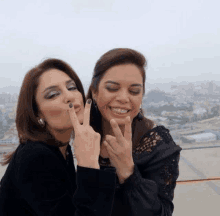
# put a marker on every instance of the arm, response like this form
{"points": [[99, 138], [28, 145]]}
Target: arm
{"points": [[42, 180], [152, 192]]}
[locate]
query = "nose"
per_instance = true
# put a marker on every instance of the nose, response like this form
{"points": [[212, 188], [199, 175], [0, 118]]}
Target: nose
{"points": [[123, 96], [68, 96]]}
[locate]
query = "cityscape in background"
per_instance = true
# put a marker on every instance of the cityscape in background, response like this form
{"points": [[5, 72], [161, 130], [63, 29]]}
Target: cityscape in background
{"points": [[191, 112]]}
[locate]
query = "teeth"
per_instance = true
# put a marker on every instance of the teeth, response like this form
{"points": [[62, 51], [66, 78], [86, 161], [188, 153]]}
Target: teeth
{"points": [[120, 110]]}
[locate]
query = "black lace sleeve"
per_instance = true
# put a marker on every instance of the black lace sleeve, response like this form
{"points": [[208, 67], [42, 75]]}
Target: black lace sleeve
{"points": [[150, 189]]}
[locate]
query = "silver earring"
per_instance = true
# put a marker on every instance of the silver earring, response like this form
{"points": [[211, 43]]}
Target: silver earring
{"points": [[41, 122]]}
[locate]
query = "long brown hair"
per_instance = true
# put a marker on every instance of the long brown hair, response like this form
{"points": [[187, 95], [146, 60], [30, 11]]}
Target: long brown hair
{"points": [[26, 120], [112, 58]]}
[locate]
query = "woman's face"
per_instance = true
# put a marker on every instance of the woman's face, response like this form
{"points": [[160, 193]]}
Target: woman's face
{"points": [[120, 88], [54, 93]]}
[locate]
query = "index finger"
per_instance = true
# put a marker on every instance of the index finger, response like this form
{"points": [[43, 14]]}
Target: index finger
{"points": [[128, 133], [74, 118], [87, 109], [117, 131]]}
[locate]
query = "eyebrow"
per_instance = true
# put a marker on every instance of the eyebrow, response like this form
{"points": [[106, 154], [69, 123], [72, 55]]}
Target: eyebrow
{"points": [[54, 86], [109, 81]]}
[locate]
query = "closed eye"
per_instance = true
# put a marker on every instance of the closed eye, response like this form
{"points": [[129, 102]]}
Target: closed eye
{"points": [[50, 96], [73, 88], [115, 89]]}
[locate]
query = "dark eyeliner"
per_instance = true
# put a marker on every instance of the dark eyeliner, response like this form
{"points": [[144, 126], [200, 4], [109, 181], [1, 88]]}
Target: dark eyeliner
{"points": [[111, 89], [133, 92], [49, 96], [52, 95], [73, 87]]}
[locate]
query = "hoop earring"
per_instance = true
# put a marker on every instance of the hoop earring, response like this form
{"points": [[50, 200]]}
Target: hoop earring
{"points": [[41, 122]]}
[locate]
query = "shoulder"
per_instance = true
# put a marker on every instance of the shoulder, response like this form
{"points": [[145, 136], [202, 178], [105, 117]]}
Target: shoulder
{"points": [[158, 135], [36, 155], [33, 148]]}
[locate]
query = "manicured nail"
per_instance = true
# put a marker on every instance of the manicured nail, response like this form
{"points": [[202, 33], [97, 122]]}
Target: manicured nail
{"points": [[89, 101], [70, 105]]}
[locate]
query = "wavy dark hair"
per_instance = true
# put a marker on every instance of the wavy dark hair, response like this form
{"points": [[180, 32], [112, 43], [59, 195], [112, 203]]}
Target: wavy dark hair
{"points": [[26, 120], [112, 58]]}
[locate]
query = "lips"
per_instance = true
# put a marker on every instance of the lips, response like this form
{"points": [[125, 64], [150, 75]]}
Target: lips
{"points": [[120, 108], [119, 114], [76, 107]]}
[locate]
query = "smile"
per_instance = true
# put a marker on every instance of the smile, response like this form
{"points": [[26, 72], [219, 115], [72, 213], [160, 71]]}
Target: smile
{"points": [[119, 111]]}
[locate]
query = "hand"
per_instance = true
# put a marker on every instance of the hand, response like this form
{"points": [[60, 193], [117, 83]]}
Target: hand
{"points": [[87, 141], [120, 149]]}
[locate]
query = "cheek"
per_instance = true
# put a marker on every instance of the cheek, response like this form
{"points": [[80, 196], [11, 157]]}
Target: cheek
{"points": [[105, 99], [54, 112], [137, 104]]}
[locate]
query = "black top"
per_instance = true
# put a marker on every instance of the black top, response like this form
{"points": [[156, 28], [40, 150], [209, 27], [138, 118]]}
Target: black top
{"points": [[39, 181], [149, 191]]}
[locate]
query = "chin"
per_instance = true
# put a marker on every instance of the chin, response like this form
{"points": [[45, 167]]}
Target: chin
{"points": [[119, 121]]}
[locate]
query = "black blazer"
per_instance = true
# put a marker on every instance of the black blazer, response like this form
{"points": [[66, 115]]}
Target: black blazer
{"points": [[39, 181]]}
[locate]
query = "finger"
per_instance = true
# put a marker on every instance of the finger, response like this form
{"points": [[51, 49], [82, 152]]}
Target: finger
{"points": [[74, 119], [86, 119], [128, 133], [112, 141], [104, 149], [108, 147], [117, 131]]}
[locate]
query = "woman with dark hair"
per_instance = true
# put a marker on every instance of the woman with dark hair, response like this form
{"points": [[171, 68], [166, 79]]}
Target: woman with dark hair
{"points": [[144, 155], [41, 178]]}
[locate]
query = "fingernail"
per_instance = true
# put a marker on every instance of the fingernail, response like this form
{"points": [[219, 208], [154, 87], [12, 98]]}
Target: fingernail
{"points": [[70, 105], [89, 101]]}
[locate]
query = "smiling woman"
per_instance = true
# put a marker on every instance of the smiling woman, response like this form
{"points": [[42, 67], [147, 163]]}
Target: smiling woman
{"points": [[41, 178], [144, 155]]}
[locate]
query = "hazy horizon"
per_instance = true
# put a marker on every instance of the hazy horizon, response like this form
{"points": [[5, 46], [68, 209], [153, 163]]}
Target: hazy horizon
{"points": [[180, 40]]}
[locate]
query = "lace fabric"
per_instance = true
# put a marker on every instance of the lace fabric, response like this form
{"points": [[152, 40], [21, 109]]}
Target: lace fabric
{"points": [[170, 170], [158, 165], [148, 142], [152, 138], [169, 173]]}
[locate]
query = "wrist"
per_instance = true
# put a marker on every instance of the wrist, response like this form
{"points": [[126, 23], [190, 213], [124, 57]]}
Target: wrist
{"points": [[93, 165], [125, 174]]}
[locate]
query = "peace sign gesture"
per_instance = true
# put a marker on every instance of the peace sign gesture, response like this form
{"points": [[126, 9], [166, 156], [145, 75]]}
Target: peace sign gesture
{"points": [[120, 149], [87, 141]]}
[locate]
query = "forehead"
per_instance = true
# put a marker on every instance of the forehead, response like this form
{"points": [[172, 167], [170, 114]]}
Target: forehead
{"points": [[128, 73], [52, 77]]}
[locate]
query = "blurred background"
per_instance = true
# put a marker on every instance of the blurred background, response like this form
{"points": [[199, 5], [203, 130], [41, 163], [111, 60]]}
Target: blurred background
{"points": [[180, 40]]}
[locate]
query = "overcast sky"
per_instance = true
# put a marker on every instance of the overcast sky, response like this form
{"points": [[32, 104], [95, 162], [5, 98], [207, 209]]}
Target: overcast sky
{"points": [[180, 39]]}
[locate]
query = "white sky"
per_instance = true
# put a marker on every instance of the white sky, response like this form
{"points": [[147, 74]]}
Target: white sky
{"points": [[180, 39]]}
